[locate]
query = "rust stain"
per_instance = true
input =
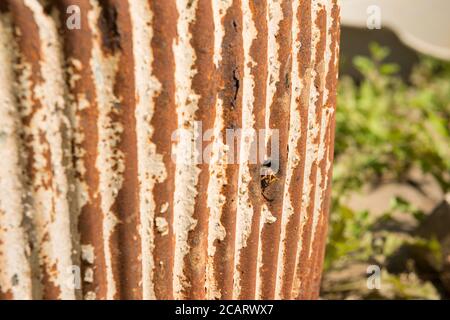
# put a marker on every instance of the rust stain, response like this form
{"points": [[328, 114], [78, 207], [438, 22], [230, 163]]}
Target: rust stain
{"points": [[164, 33]]}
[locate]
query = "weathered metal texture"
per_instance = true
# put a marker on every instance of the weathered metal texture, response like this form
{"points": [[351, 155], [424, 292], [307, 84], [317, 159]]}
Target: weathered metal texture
{"points": [[92, 178]]}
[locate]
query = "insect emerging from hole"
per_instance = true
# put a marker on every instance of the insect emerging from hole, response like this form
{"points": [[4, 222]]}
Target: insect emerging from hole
{"points": [[267, 178]]}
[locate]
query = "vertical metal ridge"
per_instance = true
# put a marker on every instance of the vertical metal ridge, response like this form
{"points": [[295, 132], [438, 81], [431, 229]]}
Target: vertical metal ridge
{"points": [[42, 108], [165, 119], [301, 57], [303, 259], [318, 247], [109, 160], [254, 33], [323, 117], [187, 172], [151, 168], [82, 98], [276, 140], [218, 178], [126, 237], [15, 270], [230, 72], [203, 84]]}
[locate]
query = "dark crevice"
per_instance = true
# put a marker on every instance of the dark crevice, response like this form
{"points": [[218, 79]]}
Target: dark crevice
{"points": [[47, 6], [236, 86], [235, 25], [108, 26], [4, 6]]}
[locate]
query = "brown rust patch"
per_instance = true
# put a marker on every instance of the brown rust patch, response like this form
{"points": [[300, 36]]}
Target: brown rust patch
{"points": [[304, 263], [29, 45], [258, 52], [331, 85], [295, 189], [164, 33], [273, 192], [125, 240], [230, 79], [78, 46], [204, 85]]}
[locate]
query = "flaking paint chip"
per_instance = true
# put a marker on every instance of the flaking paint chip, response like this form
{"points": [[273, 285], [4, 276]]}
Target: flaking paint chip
{"points": [[90, 295], [162, 226], [164, 207], [89, 275], [87, 253]]}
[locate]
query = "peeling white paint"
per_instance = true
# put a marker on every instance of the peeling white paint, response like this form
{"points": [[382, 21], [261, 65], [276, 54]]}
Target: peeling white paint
{"points": [[219, 155], [187, 172], [15, 273], [220, 8], [293, 139], [313, 130], [266, 218], [162, 226], [327, 113], [274, 18], [52, 214], [245, 209], [151, 168], [109, 156], [88, 253]]}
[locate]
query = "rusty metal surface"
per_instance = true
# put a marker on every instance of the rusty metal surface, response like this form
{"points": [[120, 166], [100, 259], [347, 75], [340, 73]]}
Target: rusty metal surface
{"points": [[99, 201]]}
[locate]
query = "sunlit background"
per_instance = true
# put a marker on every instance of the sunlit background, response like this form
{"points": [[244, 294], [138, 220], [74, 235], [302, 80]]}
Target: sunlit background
{"points": [[389, 235]]}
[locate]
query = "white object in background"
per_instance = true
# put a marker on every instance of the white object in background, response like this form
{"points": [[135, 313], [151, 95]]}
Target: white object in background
{"points": [[421, 24]]}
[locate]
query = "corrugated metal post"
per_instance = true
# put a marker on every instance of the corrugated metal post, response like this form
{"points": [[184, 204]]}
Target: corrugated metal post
{"points": [[175, 149]]}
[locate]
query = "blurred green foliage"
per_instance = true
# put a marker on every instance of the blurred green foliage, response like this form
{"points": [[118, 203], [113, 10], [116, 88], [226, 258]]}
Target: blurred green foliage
{"points": [[387, 126], [384, 128]]}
